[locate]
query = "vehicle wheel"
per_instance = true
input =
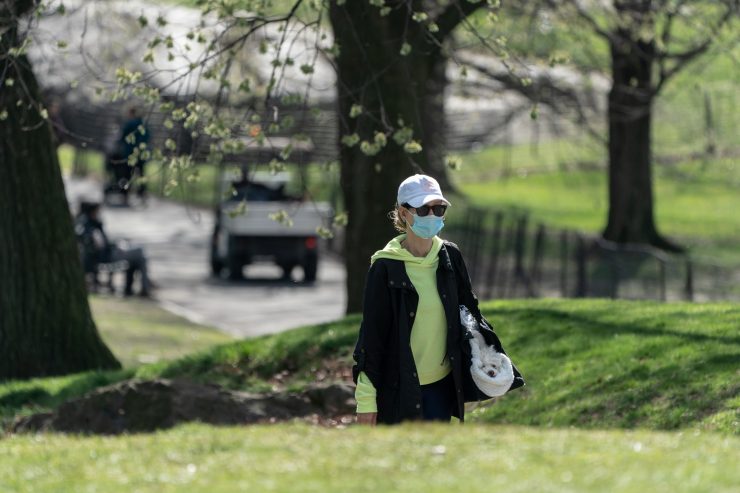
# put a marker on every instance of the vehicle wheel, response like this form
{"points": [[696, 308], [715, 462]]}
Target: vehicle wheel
{"points": [[287, 271], [310, 266], [216, 266], [234, 264]]}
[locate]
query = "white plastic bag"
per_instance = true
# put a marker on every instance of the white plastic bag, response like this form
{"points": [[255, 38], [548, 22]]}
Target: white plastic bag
{"points": [[491, 371]]}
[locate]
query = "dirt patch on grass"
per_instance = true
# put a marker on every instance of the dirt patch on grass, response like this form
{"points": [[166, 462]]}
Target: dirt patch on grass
{"points": [[147, 405]]}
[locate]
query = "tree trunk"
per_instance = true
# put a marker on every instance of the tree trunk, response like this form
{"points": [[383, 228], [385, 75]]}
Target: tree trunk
{"points": [[631, 217], [46, 327], [371, 73]]}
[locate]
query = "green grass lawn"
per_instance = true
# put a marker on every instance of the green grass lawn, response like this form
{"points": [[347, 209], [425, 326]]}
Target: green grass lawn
{"points": [[140, 332], [696, 202], [299, 458], [606, 382]]}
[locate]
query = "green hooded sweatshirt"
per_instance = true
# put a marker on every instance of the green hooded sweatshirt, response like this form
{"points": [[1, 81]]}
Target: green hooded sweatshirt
{"points": [[429, 331]]}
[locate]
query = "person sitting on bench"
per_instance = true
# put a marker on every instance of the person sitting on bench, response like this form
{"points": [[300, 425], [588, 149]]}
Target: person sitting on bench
{"points": [[98, 249]]}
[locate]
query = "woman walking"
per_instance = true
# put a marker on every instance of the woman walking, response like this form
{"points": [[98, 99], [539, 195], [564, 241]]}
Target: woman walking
{"points": [[408, 353]]}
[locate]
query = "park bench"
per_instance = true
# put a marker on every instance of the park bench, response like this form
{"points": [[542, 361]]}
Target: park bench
{"points": [[93, 268]]}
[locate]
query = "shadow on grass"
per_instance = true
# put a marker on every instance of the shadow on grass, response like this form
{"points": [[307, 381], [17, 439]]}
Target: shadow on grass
{"points": [[587, 372]]}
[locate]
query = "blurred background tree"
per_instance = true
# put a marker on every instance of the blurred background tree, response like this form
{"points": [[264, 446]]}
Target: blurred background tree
{"points": [[45, 323], [649, 42]]}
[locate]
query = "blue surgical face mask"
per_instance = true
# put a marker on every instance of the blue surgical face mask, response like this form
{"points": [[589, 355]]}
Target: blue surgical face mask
{"points": [[427, 226]]}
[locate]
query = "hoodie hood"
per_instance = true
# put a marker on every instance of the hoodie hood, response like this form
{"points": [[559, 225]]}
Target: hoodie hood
{"points": [[394, 251]]}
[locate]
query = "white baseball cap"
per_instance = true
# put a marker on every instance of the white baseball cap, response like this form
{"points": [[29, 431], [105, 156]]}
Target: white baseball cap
{"points": [[417, 190]]}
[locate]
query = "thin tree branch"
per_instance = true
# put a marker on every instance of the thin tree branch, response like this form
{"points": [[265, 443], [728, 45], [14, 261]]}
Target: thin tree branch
{"points": [[681, 59], [454, 14]]}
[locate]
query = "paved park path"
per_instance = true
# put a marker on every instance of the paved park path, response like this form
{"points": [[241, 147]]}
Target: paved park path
{"points": [[176, 240]]}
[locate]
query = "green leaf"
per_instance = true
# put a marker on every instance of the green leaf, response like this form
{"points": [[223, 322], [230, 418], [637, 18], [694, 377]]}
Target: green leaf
{"points": [[285, 153], [453, 162], [282, 217], [324, 232], [355, 110], [238, 210], [403, 135], [369, 149], [307, 69], [276, 166], [405, 49], [412, 147], [350, 140], [340, 220], [420, 16]]}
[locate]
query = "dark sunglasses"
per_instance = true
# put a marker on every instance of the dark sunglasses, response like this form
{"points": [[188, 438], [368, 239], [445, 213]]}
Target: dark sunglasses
{"points": [[438, 210]]}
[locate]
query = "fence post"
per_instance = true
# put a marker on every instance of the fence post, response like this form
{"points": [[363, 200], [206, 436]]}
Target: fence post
{"points": [[564, 263], [519, 245], [581, 287], [689, 281], [508, 246], [495, 247], [614, 269], [661, 273], [710, 147], [476, 236], [534, 271]]}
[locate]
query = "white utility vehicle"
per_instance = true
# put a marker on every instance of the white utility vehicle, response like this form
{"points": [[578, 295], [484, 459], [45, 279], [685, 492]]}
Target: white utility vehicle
{"points": [[258, 221]]}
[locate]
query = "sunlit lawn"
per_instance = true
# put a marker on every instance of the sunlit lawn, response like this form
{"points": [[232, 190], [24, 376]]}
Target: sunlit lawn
{"points": [[602, 378], [696, 202], [140, 332], [298, 458]]}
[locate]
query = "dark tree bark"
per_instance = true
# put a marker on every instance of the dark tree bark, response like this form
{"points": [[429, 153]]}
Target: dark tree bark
{"points": [[46, 327], [631, 217], [372, 73]]}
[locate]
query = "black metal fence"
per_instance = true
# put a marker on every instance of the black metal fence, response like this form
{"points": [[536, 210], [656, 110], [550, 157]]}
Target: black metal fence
{"points": [[510, 256]]}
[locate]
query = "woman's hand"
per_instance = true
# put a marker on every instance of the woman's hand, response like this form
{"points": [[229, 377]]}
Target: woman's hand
{"points": [[370, 419]]}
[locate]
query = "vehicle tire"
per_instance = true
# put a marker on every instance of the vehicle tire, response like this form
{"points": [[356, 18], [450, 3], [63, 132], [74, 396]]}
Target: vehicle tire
{"points": [[287, 271], [216, 265], [234, 263], [310, 266]]}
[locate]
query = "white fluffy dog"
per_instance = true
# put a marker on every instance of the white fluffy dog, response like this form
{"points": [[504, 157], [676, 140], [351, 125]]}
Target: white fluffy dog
{"points": [[491, 371]]}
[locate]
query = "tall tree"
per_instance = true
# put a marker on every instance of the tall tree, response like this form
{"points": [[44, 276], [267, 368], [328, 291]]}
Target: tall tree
{"points": [[390, 58], [46, 327], [391, 81], [650, 41]]}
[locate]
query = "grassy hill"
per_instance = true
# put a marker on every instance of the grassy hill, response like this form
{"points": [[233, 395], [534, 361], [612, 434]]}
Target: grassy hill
{"points": [[621, 397], [592, 363]]}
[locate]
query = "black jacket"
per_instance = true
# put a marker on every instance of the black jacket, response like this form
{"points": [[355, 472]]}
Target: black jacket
{"points": [[383, 349]]}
